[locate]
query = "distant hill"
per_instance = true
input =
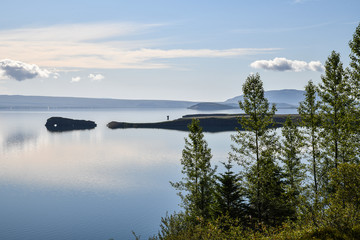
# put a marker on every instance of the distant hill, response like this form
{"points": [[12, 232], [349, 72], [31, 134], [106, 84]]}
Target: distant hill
{"points": [[211, 106], [33, 102], [285, 96], [284, 99]]}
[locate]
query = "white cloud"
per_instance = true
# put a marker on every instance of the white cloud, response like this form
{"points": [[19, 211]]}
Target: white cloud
{"points": [[98, 46], [20, 71], [283, 64], [316, 66], [75, 79], [96, 77]]}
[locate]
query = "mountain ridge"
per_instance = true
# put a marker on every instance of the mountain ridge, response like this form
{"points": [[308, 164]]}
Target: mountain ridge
{"points": [[285, 98], [288, 96], [23, 102]]}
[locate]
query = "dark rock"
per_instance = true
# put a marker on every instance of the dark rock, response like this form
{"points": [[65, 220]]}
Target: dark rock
{"points": [[59, 124]]}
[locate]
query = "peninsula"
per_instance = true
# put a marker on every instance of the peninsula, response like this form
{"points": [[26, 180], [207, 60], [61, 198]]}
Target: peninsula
{"points": [[209, 122]]}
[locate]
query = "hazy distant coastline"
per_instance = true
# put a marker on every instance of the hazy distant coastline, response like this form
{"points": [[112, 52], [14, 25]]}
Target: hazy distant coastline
{"points": [[40, 102], [286, 98]]}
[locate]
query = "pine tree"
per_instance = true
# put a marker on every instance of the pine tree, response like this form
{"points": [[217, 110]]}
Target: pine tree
{"points": [[228, 194], [291, 154], [343, 212], [353, 74], [354, 70], [310, 122], [198, 182], [336, 114], [255, 151]]}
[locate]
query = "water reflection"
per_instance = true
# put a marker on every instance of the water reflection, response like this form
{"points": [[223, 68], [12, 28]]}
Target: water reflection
{"points": [[19, 139], [18, 142], [111, 165], [94, 184]]}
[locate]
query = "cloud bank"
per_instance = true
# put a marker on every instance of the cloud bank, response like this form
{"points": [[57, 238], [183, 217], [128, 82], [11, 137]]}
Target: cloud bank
{"points": [[102, 46], [283, 64], [96, 77], [20, 71]]}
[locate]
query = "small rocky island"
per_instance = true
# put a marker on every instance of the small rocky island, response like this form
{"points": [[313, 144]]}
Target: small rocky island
{"points": [[60, 124], [209, 122]]}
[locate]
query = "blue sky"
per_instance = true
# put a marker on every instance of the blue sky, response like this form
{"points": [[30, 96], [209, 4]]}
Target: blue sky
{"points": [[178, 50]]}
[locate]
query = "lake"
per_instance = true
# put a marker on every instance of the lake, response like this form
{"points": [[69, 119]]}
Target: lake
{"points": [[91, 184]]}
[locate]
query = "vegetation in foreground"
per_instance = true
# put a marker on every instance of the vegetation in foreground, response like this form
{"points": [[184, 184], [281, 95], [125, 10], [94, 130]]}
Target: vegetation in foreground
{"points": [[276, 195]]}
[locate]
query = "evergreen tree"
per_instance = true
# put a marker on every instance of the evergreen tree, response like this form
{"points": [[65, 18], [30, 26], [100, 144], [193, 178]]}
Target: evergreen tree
{"points": [[228, 195], [353, 74], [198, 181], [291, 155], [310, 122], [336, 114], [343, 212], [255, 151], [354, 70]]}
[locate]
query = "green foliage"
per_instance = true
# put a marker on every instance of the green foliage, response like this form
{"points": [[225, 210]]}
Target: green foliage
{"points": [[227, 228], [256, 106], [206, 230], [336, 112], [338, 139], [255, 151], [293, 173], [268, 194], [344, 204], [173, 226], [309, 113], [198, 180], [354, 70], [229, 194], [353, 74]]}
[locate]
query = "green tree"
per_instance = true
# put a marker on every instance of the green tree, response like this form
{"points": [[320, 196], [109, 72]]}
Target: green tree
{"points": [[291, 154], [228, 194], [353, 74], [354, 70], [198, 181], [343, 212], [336, 113], [310, 121], [255, 151]]}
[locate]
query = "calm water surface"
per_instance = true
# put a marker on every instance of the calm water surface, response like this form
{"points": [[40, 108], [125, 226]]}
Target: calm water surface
{"points": [[92, 184]]}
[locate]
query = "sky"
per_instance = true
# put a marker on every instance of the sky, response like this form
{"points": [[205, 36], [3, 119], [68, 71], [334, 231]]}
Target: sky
{"points": [[199, 50]]}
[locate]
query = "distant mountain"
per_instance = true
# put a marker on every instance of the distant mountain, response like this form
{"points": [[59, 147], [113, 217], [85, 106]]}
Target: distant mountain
{"points": [[211, 106], [286, 96], [30, 102], [284, 99]]}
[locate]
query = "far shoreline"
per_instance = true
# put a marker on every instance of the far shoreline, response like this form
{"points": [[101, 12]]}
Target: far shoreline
{"points": [[209, 122]]}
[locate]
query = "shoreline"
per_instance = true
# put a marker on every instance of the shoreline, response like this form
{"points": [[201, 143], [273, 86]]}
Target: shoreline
{"points": [[209, 122]]}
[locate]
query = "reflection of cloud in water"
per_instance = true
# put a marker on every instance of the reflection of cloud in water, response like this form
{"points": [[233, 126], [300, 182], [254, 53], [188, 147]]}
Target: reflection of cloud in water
{"points": [[107, 166], [20, 140]]}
